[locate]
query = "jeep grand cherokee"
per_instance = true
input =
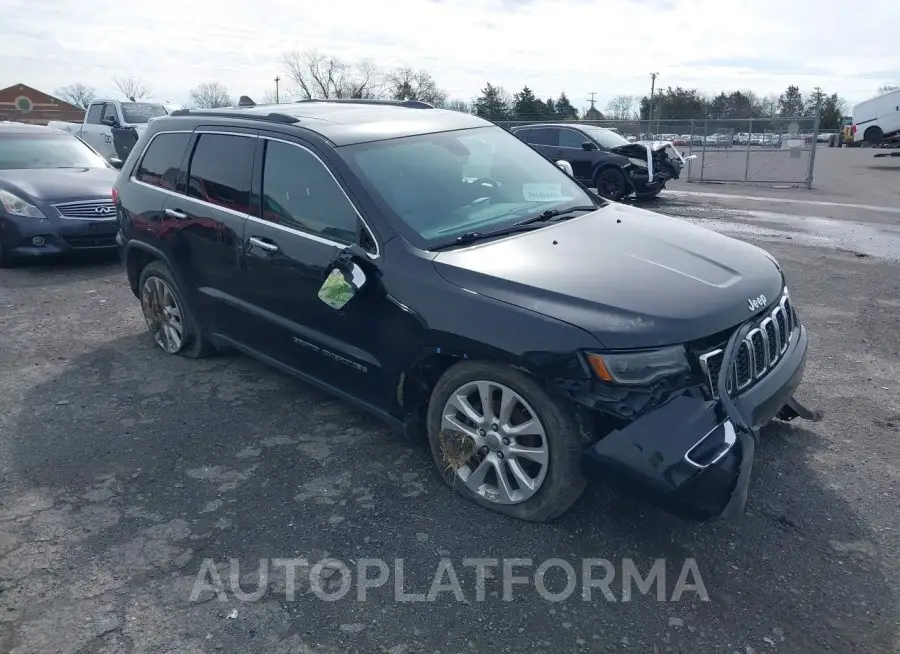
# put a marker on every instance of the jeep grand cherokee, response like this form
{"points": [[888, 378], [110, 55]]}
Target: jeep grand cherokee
{"points": [[437, 271]]}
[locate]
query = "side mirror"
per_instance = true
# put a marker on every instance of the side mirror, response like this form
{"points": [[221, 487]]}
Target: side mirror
{"points": [[110, 121], [587, 145], [566, 167], [345, 279], [116, 163]]}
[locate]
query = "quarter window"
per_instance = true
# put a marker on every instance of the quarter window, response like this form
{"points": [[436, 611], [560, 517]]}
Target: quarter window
{"points": [[221, 171], [300, 193], [162, 160]]}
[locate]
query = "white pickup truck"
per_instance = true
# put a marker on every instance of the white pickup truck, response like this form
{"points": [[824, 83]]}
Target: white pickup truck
{"points": [[102, 115]]}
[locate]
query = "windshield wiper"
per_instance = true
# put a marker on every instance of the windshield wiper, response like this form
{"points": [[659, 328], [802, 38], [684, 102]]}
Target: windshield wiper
{"points": [[550, 214], [525, 225]]}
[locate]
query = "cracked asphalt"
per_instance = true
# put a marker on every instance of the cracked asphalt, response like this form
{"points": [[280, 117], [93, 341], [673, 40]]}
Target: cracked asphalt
{"points": [[126, 475]]}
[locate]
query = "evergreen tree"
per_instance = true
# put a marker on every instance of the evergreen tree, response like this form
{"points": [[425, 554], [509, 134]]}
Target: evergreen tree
{"points": [[564, 109], [492, 103]]}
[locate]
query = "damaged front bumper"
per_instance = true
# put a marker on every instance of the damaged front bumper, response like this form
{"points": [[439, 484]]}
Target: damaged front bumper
{"points": [[693, 456]]}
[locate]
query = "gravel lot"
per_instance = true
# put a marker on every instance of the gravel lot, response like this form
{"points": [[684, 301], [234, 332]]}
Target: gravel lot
{"points": [[123, 469]]}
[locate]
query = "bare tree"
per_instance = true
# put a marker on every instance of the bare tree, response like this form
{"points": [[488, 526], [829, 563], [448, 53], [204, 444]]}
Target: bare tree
{"points": [[459, 105], [132, 87], [409, 84], [316, 75], [270, 97], [210, 95], [887, 88], [81, 95], [621, 107]]}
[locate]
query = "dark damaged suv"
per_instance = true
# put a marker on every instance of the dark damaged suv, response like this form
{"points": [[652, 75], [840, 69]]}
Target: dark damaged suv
{"points": [[437, 271]]}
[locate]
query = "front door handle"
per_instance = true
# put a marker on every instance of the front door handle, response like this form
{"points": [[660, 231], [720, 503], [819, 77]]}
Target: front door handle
{"points": [[174, 213], [263, 245]]}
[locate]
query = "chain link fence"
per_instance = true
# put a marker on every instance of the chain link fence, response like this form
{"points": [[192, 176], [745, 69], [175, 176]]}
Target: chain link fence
{"points": [[763, 151]]}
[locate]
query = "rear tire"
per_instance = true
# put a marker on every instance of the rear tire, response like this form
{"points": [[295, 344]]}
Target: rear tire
{"points": [[874, 135], [553, 489], [162, 301], [611, 184]]}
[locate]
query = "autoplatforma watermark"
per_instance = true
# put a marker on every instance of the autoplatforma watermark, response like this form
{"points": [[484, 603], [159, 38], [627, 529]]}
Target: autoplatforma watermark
{"points": [[471, 579]]}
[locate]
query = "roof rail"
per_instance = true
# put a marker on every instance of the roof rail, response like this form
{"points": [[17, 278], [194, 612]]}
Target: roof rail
{"points": [[409, 104], [273, 117]]}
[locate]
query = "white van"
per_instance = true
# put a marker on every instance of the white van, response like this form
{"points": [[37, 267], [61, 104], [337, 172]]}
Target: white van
{"points": [[877, 119]]}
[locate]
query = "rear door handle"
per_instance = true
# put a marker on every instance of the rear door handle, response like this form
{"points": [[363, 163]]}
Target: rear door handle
{"points": [[263, 245], [174, 213]]}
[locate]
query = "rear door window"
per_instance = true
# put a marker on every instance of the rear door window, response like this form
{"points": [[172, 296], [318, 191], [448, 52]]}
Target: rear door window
{"points": [[221, 171], [94, 113], [109, 111], [162, 160], [544, 136]]}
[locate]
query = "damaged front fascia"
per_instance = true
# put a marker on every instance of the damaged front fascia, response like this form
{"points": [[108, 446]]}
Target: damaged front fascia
{"points": [[625, 402], [687, 452]]}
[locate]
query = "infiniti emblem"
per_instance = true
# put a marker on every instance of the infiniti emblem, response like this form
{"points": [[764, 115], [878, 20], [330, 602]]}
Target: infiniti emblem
{"points": [[104, 211]]}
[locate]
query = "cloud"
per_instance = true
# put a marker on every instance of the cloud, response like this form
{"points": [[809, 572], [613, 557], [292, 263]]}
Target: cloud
{"points": [[577, 46]]}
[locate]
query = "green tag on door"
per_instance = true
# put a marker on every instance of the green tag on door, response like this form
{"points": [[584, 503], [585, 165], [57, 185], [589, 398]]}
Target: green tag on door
{"points": [[336, 291]]}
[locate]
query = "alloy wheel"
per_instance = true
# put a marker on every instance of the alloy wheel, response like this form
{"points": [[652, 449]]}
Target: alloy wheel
{"points": [[610, 184], [505, 453], [163, 314]]}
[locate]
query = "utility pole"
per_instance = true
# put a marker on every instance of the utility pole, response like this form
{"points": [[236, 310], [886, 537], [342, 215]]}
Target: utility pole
{"points": [[277, 98], [592, 109], [650, 109]]}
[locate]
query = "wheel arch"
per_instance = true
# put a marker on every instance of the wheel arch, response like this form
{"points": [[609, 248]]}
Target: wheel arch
{"points": [[608, 165], [137, 255], [871, 131]]}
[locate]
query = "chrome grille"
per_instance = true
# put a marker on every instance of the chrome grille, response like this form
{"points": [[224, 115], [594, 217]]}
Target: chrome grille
{"points": [[101, 209], [759, 352]]}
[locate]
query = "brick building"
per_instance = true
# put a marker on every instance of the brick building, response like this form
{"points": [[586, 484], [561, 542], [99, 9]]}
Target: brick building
{"points": [[24, 104]]}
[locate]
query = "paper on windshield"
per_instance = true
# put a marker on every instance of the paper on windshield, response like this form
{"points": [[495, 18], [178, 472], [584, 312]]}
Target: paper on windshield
{"points": [[543, 192]]}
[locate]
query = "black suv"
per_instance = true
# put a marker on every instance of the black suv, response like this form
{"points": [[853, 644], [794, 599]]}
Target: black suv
{"points": [[434, 269], [603, 159]]}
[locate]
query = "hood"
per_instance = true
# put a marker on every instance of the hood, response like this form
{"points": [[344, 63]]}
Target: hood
{"points": [[630, 277], [54, 184], [642, 149]]}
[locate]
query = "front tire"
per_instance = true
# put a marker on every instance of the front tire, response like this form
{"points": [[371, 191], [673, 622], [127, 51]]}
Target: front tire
{"points": [[169, 318], [611, 184], [502, 442], [5, 260]]}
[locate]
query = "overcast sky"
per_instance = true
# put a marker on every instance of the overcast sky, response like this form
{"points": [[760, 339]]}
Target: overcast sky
{"points": [[578, 46]]}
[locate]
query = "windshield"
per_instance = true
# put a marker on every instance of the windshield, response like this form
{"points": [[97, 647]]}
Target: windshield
{"points": [[605, 137], [31, 151], [142, 112], [444, 185]]}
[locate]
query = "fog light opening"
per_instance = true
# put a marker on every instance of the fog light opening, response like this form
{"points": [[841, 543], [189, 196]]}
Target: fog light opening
{"points": [[38, 241]]}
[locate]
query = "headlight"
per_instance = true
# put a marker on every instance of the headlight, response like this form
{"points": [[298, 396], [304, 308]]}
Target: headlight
{"points": [[640, 163], [16, 206], [639, 367]]}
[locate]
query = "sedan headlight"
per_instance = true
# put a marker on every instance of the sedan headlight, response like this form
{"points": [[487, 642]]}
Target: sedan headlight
{"points": [[640, 163], [639, 367], [16, 206]]}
